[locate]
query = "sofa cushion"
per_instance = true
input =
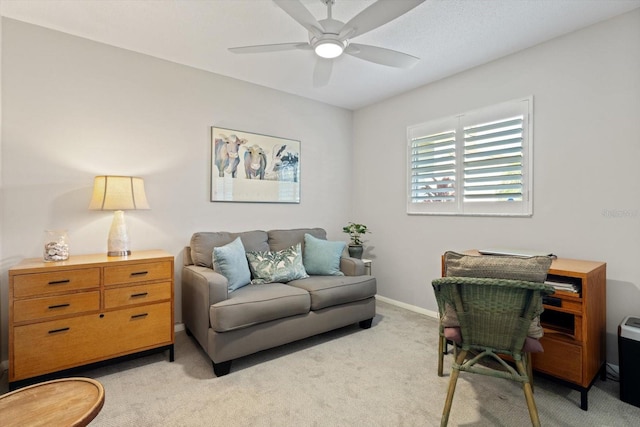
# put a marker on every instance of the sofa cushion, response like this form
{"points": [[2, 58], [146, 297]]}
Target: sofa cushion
{"points": [[277, 266], [255, 304], [531, 269], [230, 261], [322, 257], [327, 291], [282, 239], [202, 244]]}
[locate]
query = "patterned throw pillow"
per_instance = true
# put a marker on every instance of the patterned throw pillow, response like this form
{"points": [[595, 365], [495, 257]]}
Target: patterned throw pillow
{"points": [[281, 266]]}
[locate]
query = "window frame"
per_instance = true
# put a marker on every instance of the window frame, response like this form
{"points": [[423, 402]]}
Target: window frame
{"points": [[460, 207]]}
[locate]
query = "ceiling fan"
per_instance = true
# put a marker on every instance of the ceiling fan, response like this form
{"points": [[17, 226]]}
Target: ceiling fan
{"points": [[330, 38]]}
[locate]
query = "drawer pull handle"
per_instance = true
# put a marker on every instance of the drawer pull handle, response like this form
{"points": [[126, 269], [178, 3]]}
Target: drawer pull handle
{"points": [[59, 282], [139, 273], [55, 331], [139, 316], [141, 294], [51, 307]]}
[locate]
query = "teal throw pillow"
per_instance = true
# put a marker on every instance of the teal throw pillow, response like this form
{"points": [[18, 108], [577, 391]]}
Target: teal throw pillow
{"points": [[280, 266], [230, 261], [322, 257]]}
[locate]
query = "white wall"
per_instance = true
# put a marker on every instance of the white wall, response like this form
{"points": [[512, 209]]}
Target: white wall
{"points": [[73, 109], [586, 89], [3, 296]]}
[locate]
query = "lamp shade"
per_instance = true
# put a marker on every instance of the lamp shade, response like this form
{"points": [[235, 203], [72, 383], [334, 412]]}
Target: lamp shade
{"points": [[111, 193]]}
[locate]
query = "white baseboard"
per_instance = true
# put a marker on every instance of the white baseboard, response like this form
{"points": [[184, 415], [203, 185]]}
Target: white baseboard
{"points": [[409, 307], [4, 367], [177, 327]]}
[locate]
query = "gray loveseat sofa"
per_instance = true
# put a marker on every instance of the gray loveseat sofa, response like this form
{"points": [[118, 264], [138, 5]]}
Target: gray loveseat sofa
{"points": [[231, 324]]}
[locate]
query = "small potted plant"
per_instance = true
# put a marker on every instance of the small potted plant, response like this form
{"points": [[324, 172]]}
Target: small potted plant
{"points": [[355, 231]]}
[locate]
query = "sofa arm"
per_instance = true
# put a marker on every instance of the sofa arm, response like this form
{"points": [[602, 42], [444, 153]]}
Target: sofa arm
{"points": [[201, 287], [352, 266], [213, 286]]}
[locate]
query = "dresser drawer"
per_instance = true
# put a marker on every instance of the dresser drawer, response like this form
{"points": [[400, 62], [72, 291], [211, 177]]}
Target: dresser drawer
{"points": [[52, 306], [141, 272], [129, 295], [41, 348], [137, 329], [26, 285], [45, 347], [560, 358]]}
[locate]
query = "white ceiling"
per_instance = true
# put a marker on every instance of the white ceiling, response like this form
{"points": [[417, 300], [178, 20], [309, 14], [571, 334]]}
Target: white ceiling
{"points": [[448, 35]]}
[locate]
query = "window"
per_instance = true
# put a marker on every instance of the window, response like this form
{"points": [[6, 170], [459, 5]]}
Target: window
{"points": [[476, 163]]}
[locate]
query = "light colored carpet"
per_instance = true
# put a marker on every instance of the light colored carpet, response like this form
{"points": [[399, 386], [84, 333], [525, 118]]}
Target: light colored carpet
{"points": [[383, 376]]}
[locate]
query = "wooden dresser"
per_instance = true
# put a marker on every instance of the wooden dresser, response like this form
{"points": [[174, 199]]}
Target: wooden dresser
{"points": [[88, 309]]}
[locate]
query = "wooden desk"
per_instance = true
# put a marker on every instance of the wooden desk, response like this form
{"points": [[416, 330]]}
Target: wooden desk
{"points": [[64, 402], [574, 325]]}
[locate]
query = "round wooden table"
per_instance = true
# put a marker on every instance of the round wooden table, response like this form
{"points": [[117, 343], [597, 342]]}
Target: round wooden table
{"points": [[63, 402]]}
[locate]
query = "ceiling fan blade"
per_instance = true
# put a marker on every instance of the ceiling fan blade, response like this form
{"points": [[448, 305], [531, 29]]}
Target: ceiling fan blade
{"points": [[301, 14], [270, 47], [379, 13], [322, 72], [382, 56]]}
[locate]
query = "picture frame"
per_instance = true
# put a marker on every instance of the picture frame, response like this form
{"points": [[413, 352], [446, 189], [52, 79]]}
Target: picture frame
{"points": [[251, 167]]}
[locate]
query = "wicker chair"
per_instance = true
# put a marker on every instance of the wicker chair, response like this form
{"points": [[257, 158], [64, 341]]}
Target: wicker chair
{"points": [[443, 349], [494, 317]]}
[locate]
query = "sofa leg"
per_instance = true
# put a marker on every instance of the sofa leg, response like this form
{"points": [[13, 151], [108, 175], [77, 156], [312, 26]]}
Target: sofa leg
{"points": [[366, 324], [221, 369]]}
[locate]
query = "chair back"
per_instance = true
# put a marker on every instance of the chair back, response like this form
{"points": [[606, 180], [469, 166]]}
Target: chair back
{"points": [[494, 314]]}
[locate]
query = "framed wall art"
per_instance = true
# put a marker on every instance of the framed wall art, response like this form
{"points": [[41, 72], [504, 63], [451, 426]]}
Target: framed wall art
{"points": [[250, 167]]}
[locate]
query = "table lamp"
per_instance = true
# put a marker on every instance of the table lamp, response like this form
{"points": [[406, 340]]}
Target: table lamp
{"points": [[118, 193]]}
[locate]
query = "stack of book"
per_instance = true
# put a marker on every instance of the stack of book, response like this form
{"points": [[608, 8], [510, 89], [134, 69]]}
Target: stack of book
{"points": [[563, 285]]}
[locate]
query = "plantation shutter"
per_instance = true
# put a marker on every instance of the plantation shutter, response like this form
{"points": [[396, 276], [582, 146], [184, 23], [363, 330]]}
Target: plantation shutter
{"points": [[476, 163], [493, 161], [433, 164]]}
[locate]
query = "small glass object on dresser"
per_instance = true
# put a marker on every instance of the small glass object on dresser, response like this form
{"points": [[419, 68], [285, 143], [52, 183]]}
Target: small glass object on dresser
{"points": [[56, 245]]}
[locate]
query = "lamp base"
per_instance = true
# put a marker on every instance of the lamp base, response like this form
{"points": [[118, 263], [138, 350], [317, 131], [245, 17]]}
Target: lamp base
{"points": [[118, 243], [118, 253]]}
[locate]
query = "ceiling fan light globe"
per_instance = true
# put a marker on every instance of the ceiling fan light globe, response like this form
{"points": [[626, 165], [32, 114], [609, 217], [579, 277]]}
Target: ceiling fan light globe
{"points": [[329, 49]]}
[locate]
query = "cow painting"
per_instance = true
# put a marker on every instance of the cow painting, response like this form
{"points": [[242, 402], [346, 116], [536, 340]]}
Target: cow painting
{"points": [[284, 164], [255, 162], [227, 154]]}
